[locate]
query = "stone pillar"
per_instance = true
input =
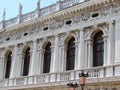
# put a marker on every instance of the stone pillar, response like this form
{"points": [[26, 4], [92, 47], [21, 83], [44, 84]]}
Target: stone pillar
{"points": [[2, 68], [40, 59], [20, 65], [33, 59], [86, 54], [14, 63], [81, 51], [90, 53], [117, 42], [76, 55], [111, 44], [105, 50], [54, 56], [62, 58]]}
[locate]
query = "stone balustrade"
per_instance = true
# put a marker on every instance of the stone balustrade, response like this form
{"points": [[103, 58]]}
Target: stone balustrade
{"points": [[60, 5], [95, 72]]}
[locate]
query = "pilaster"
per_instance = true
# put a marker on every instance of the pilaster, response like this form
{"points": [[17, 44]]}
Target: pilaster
{"points": [[33, 59], [2, 68], [54, 53], [81, 50], [111, 43], [117, 43], [40, 59]]}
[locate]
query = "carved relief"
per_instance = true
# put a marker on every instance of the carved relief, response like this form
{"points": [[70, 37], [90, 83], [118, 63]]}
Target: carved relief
{"points": [[76, 34], [105, 11], [39, 44], [76, 19], [115, 8], [85, 16], [61, 38], [20, 48], [52, 40], [59, 24], [31, 44], [87, 32], [32, 30]]}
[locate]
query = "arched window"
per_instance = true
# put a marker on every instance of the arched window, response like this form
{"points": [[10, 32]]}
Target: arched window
{"points": [[98, 49], [70, 61], [26, 62], [8, 64], [47, 59]]}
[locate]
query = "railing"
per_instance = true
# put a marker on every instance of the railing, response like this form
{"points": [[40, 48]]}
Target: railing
{"points": [[109, 71], [60, 5]]}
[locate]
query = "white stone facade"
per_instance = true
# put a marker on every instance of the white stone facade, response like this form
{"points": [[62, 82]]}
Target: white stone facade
{"points": [[37, 28]]}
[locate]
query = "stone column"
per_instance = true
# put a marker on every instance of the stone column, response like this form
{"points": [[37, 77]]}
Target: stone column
{"points": [[14, 63], [54, 56], [76, 55], [62, 58], [33, 59], [81, 51], [90, 53], [20, 65], [2, 68], [40, 59], [86, 54], [117, 43], [111, 43], [105, 50]]}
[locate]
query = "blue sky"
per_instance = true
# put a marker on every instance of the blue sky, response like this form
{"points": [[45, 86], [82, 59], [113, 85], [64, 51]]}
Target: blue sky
{"points": [[11, 6]]}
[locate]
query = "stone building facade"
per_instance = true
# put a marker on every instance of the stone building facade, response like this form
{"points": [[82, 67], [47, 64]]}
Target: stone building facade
{"points": [[47, 48]]}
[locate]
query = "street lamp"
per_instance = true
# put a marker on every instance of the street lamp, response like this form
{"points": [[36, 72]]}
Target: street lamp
{"points": [[72, 86], [82, 77]]}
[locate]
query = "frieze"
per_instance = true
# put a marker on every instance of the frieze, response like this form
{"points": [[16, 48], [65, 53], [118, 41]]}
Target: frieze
{"points": [[61, 23], [85, 16]]}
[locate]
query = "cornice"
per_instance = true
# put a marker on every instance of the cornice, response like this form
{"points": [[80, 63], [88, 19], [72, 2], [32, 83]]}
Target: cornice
{"points": [[69, 12]]}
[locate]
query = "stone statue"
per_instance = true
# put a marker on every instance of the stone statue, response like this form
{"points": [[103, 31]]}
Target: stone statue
{"points": [[20, 9], [4, 13], [38, 4]]}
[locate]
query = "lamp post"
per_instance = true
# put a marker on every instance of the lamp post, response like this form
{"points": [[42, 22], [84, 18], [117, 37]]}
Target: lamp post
{"points": [[72, 86], [82, 77]]}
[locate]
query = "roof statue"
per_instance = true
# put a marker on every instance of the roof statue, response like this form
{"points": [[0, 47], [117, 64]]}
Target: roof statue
{"points": [[4, 13], [38, 4], [20, 9]]}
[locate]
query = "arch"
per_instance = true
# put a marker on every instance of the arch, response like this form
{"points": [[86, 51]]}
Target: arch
{"points": [[98, 49], [70, 60], [8, 62], [25, 47], [92, 33], [47, 58], [68, 37], [26, 52], [44, 43]]}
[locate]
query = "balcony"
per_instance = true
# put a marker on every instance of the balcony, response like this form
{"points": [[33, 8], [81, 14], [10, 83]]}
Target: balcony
{"points": [[94, 73]]}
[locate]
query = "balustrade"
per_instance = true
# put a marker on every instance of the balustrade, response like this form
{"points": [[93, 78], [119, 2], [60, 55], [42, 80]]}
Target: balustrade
{"points": [[60, 5], [95, 72]]}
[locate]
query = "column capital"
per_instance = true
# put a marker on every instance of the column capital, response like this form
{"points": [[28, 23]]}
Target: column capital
{"points": [[111, 22], [89, 41]]}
